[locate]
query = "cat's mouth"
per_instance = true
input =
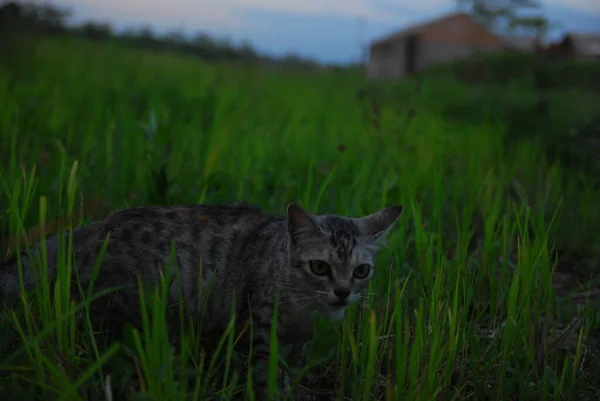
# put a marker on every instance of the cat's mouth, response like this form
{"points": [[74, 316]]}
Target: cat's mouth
{"points": [[339, 304]]}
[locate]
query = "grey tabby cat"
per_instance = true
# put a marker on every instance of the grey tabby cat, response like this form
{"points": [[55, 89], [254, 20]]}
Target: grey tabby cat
{"points": [[319, 264]]}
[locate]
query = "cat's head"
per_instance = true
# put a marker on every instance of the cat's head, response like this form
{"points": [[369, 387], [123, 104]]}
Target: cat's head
{"points": [[332, 258]]}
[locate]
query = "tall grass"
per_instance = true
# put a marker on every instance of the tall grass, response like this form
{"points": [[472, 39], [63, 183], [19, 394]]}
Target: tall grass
{"points": [[463, 304]]}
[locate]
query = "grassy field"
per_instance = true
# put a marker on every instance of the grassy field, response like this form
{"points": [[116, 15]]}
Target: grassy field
{"points": [[470, 304]]}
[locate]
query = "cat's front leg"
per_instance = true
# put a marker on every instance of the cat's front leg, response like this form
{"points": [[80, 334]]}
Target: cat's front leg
{"points": [[296, 361], [261, 354]]}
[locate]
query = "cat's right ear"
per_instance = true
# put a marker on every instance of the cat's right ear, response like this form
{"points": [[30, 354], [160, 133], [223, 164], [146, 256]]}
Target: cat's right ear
{"points": [[300, 222]]}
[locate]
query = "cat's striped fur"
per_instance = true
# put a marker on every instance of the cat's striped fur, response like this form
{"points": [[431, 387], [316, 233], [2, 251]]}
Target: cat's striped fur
{"points": [[319, 264]]}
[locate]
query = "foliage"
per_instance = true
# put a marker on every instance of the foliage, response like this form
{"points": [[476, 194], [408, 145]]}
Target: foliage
{"points": [[544, 72], [507, 14], [33, 19], [96, 30], [469, 301]]}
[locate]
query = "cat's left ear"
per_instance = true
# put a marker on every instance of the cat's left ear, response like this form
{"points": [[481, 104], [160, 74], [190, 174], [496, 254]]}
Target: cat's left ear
{"points": [[377, 225], [301, 223]]}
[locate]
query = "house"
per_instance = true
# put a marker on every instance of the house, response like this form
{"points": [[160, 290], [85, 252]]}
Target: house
{"points": [[580, 44], [522, 43], [443, 39]]}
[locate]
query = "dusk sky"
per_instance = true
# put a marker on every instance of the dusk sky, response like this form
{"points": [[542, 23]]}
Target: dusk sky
{"points": [[328, 30]]}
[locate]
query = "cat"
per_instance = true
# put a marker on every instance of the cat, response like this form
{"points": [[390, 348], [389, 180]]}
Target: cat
{"points": [[318, 265]]}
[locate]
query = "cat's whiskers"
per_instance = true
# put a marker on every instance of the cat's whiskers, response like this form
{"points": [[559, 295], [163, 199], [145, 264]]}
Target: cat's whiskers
{"points": [[299, 300]]}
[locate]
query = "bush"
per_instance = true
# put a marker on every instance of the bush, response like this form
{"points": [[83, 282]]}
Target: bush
{"points": [[21, 27], [543, 71], [96, 30]]}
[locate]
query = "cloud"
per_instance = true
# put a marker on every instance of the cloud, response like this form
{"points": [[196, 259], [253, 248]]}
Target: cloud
{"points": [[429, 6], [349, 8], [591, 6], [230, 13], [236, 15], [191, 14]]}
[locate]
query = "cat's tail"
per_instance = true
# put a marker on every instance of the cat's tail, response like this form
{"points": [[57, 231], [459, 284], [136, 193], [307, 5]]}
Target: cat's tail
{"points": [[9, 279], [10, 285]]}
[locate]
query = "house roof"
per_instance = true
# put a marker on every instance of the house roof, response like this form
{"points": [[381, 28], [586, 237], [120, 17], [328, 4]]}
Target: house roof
{"points": [[427, 26], [415, 28], [585, 43]]}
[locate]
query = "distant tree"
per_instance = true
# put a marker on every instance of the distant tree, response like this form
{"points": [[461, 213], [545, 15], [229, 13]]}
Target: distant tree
{"points": [[204, 46], [11, 15], [247, 51], [146, 33], [52, 18], [538, 25], [96, 30], [293, 60], [202, 39], [127, 34], [145, 37], [225, 46], [495, 14], [22, 23], [10, 12], [175, 37], [18, 39], [25, 15]]}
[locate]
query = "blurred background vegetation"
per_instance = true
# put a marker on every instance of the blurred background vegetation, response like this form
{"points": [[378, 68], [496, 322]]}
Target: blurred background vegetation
{"points": [[21, 23], [532, 95], [487, 138]]}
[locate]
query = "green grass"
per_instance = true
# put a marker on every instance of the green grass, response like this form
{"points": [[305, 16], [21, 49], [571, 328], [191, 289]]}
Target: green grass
{"points": [[464, 304]]}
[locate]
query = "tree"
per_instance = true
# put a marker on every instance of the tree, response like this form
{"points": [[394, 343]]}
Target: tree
{"points": [[247, 51], [496, 13], [96, 30], [538, 25]]}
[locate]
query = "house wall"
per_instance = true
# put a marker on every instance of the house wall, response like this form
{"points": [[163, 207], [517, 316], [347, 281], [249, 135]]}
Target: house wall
{"points": [[387, 61], [443, 40], [455, 38], [433, 52]]}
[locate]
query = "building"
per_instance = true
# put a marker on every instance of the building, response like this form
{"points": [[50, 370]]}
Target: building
{"points": [[443, 39], [583, 45], [524, 44]]}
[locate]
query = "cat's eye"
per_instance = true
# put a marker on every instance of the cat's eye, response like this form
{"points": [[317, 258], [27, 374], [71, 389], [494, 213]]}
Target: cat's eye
{"points": [[319, 268], [362, 271]]}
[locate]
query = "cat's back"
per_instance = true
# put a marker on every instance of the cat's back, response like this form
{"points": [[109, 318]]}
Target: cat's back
{"points": [[148, 223], [149, 231]]}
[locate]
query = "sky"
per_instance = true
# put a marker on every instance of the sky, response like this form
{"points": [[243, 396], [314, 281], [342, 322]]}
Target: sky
{"points": [[331, 31]]}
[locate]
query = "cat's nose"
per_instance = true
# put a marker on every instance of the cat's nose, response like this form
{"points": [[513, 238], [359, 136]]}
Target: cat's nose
{"points": [[342, 293]]}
